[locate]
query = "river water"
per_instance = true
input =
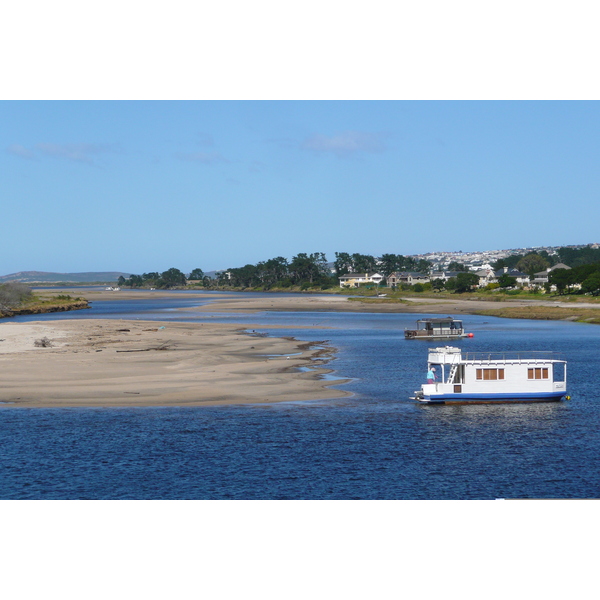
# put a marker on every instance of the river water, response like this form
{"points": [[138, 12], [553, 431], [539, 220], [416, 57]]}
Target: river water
{"points": [[376, 444]]}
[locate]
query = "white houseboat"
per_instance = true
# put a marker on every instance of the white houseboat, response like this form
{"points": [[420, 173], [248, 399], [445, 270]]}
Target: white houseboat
{"points": [[437, 328], [486, 378]]}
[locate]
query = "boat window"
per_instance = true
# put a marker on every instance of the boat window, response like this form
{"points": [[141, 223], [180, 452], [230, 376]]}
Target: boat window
{"points": [[537, 373], [489, 374], [558, 371]]}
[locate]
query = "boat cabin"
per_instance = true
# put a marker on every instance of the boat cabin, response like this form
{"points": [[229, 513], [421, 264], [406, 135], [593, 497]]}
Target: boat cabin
{"points": [[439, 327], [486, 377]]}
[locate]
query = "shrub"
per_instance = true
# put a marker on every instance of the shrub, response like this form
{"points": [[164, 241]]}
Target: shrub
{"points": [[13, 294]]}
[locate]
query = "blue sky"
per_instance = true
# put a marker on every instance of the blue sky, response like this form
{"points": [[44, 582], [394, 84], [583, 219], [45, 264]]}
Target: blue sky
{"points": [[145, 185], [140, 186], [138, 139]]}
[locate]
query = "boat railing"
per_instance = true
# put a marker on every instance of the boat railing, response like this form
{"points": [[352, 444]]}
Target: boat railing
{"points": [[436, 331], [527, 355]]}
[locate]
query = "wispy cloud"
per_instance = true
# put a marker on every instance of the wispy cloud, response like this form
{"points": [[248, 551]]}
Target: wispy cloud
{"points": [[75, 152], [21, 151], [346, 143], [206, 158], [84, 153]]}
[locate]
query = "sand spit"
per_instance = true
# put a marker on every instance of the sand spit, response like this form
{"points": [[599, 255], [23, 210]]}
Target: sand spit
{"points": [[231, 303], [119, 363]]}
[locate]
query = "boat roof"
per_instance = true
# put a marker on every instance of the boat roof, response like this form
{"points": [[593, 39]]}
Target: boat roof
{"points": [[438, 320], [499, 356]]}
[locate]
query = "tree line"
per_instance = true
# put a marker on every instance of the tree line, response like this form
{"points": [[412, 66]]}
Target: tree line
{"points": [[171, 278], [583, 277], [303, 270], [534, 262], [313, 271]]}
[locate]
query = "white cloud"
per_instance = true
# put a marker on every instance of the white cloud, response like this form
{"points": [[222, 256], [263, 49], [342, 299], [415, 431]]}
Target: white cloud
{"points": [[75, 152], [345, 143], [21, 151]]}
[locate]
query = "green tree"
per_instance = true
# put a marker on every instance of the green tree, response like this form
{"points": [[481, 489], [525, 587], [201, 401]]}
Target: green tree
{"points": [[172, 278], [311, 268], [591, 285], [364, 263], [532, 263], [506, 281], [343, 264], [551, 258], [437, 284], [456, 266], [135, 281], [561, 278], [450, 284], [508, 261], [575, 257], [465, 282], [197, 274], [224, 278], [423, 266], [246, 276], [272, 271], [389, 263]]}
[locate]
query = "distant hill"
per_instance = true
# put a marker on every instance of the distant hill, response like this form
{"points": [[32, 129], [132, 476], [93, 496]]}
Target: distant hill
{"points": [[44, 277]]}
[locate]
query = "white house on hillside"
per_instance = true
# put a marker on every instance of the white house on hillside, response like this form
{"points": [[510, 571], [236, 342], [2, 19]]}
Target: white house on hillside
{"points": [[485, 276], [355, 279]]}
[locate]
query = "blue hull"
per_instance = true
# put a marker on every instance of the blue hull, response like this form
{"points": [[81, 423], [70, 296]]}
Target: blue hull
{"points": [[493, 398]]}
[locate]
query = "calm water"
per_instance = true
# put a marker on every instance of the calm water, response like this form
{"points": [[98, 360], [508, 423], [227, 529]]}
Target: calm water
{"points": [[376, 444]]}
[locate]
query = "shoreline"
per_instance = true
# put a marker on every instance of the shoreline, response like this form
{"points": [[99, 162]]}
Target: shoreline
{"points": [[43, 310], [121, 363], [245, 303]]}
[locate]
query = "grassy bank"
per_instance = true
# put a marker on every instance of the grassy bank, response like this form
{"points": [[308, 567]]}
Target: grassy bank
{"points": [[38, 304], [554, 313]]}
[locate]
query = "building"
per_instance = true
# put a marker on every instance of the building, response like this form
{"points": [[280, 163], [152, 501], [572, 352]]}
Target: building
{"points": [[443, 275], [542, 277], [486, 276], [522, 278], [406, 277], [356, 279]]}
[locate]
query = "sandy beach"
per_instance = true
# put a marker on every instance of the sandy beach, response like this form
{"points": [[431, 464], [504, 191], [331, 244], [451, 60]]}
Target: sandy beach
{"points": [[145, 363], [112, 363]]}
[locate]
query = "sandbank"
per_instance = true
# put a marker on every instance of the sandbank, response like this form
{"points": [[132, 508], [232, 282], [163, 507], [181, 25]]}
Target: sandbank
{"points": [[231, 303], [121, 363]]}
